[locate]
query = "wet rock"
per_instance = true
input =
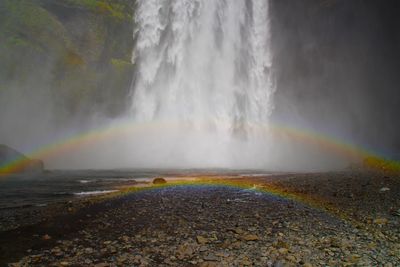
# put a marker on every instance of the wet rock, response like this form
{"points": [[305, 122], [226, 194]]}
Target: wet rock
{"points": [[246, 262], [394, 211], [238, 231], [122, 259], [209, 264], [250, 237], [278, 264], [211, 257], [46, 237], [185, 251], [381, 221], [159, 180], [291, 258], [203, 248], [201, 240], [283, 251], [88, 250]]}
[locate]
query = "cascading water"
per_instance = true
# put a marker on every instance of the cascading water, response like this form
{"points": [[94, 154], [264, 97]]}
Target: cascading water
{"points": [[204, 72]]}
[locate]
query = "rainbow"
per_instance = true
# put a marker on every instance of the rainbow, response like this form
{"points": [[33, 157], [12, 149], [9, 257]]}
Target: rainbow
{"points": [[92, 137], [247, 183]]}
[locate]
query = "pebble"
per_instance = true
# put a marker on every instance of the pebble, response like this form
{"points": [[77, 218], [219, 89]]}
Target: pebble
{"points": [[283, 251], [250, 237], [201, 240], [203, 248], [88, 250], [46, 237], [210, 257], [381, 221]]}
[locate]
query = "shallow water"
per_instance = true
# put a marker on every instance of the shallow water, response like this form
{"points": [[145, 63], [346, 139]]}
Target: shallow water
{"points": [[18, 191], [22, 191]]}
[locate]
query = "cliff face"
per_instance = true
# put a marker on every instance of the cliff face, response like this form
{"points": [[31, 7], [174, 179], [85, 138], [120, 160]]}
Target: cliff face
{"points": [[12, 161], [78, 52], [337, 65]]}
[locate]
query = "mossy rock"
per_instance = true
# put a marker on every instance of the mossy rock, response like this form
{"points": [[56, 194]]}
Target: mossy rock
{"points": [[27, 23], [159, 180], [115, 9], [79, 50]]}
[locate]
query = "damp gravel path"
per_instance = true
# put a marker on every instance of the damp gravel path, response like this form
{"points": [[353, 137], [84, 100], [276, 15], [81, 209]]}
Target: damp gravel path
{"points": [[209, 226]]}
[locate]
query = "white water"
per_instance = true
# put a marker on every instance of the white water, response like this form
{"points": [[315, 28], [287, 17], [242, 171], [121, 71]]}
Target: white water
{"points": [[204, 72], [97, 192]]}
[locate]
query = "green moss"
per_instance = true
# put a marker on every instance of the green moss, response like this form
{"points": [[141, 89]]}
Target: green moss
{"points": [[116, 9], [90, 4], [121, 65], [17, 42], [27, 23], [77, 49]]}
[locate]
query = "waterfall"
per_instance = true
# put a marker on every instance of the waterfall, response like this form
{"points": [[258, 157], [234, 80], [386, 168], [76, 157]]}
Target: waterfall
{"points": [[205, 67]]}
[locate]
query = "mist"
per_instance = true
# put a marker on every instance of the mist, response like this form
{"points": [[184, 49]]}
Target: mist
{"points": [[332, 70], [337, 65]]}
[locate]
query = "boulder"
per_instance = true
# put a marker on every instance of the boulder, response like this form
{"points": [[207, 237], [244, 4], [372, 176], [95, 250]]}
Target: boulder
{"points": [[159, 180]]}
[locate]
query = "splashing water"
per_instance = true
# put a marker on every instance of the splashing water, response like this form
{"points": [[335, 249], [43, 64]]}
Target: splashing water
{"points": [[206, 66]]}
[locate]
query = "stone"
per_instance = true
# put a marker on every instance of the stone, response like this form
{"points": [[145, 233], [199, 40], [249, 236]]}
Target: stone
{"points": [[201, 240], [238, 231], [159, 180], [278, 264], [236, 245], [55, 250], [246, 262], [251, 237], [125, 238], [168, 261], [283, 251], [123, 258], [203, 248], [184, 251], [209, 264], [46, 237], [88, 250], [381, 221], [291, 258], [210, 257], [282, 244]]}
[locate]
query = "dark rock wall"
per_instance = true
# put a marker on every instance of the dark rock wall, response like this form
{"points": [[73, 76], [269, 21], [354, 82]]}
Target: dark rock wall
{"points": [[337, 65], [14, 161]]}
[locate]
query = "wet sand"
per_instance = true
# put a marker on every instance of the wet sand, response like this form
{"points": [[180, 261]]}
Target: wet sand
{"points": [[317, 219]]}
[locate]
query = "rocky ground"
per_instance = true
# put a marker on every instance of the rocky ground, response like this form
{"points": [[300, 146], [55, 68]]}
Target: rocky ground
{"points": [[214, 225]]}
